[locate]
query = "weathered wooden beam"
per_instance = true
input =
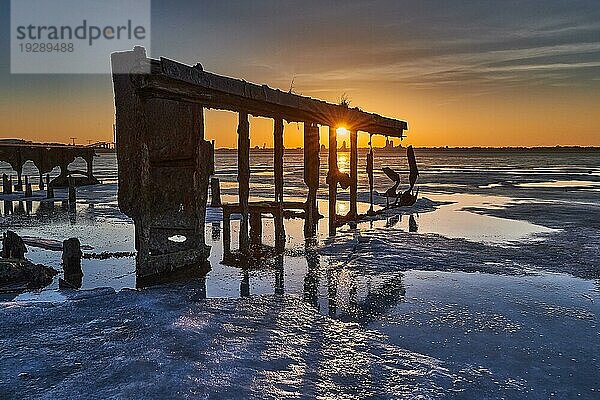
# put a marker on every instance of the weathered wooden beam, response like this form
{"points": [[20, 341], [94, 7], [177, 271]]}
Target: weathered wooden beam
{"points": [[332, 178], [353, 173], [169, 78], [278, 153], [244, 177]]}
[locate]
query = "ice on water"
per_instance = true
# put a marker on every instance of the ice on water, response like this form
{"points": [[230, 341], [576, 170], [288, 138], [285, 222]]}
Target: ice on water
{"points": [[487, 288]]}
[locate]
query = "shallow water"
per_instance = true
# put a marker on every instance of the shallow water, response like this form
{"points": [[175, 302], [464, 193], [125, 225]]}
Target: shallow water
{"points": [[484, 289]]}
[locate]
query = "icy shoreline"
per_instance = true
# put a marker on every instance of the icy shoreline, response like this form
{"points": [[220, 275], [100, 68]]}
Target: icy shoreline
{"points": [[496, 294]]}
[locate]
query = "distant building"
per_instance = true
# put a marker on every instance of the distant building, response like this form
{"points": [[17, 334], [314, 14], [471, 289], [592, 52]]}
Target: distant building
{"points": [[389, 145]]}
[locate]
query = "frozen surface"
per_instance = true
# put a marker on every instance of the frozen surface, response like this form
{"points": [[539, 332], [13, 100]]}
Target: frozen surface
{"points": [[487, 288]]}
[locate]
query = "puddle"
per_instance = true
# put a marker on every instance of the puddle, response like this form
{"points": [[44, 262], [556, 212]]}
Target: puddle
{"points": [[452, 221], [560, 184]]}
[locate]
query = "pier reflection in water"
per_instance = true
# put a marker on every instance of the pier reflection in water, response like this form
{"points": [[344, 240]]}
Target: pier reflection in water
{"points": [[333, 288]]}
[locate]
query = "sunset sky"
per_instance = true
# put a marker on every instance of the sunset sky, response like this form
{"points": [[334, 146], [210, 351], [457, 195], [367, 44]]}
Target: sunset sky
{"points": [[462, 73]]}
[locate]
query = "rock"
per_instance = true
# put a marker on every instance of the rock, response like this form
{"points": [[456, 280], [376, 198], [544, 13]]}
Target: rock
{"points": [[13, 246], [20, 275]]}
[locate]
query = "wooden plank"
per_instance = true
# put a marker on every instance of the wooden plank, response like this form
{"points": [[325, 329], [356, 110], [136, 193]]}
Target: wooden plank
{"points": [[173, 78]]}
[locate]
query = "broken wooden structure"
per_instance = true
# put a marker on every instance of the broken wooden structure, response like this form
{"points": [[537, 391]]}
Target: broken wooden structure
{"points": [[165, 163], [46, 157]]}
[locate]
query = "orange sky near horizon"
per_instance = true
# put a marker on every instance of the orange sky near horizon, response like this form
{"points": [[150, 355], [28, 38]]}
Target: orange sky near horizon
{"points": [[507, 119], [460, 73]]}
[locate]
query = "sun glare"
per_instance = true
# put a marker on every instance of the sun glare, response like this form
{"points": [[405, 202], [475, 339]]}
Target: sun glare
{"points": [[341, 130]]}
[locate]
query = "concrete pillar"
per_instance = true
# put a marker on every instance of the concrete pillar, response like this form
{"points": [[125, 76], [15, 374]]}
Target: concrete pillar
{"points": [[244, 177], [332, 179], [353, 173], [278, 152]]}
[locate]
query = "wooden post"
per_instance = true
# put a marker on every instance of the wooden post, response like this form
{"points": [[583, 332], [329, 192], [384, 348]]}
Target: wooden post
{"points": [[19, 186], [49, 188], [256, 228], [370, 175], [226, 234], [353, 173], [28, 190], [71, 263], [311, 175], [332, 178], [90, 167], [278, 152], [6, 184], [72, 194], [279, 228], [215, 192], [41, 185], [244, 177]]}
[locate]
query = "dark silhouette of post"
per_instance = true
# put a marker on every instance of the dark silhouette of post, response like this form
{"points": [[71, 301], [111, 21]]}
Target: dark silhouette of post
{"points": [[353, 173], [7, 184], [71, 262], [49, 188], [332, 179], [28, 189], [311, 175], [72, 194], [215, 192], [19, 185], [244, 177], [370, 175], [278, 152], [226, 235], [255, 228]]}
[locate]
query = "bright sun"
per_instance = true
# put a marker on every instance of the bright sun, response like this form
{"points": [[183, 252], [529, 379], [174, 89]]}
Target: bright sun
{"points": [[341, 130]]}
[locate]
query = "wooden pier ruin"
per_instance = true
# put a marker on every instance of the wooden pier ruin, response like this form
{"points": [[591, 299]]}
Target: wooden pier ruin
{"points": [[165, 164], [46, 157]]}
